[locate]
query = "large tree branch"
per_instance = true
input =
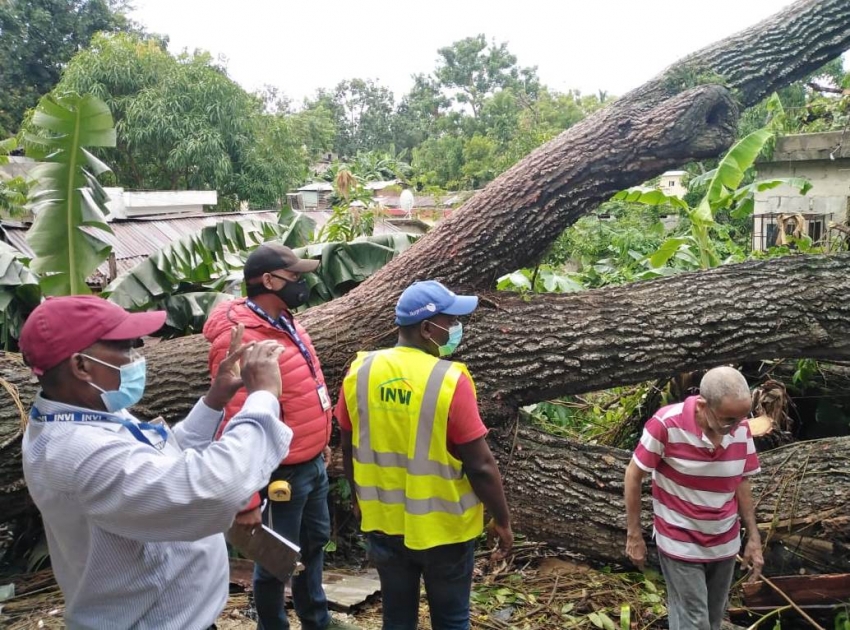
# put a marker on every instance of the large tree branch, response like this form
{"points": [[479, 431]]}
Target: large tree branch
{"points": [[526, 350]]}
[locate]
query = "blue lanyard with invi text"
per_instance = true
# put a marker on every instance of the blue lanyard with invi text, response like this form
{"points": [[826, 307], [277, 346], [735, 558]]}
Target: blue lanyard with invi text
{"points": [[281, 323], [134, 428]]}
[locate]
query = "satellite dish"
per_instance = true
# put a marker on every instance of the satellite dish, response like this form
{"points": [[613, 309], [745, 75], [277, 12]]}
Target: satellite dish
{"points": [[406, 200]]}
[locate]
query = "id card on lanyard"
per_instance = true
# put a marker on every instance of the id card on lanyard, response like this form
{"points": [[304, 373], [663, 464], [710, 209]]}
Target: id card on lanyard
{"points": [[135, 428], [281, 323]]}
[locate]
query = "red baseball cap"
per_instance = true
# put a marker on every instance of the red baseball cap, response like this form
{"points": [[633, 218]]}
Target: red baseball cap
{"points": [[62, 326]]}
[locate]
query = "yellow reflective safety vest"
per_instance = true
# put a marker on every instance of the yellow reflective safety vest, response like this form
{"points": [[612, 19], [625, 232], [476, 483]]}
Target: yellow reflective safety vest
{"points": [[407, 482]]}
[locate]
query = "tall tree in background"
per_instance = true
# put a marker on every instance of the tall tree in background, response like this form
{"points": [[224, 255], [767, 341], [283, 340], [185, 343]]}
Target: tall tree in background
{"points": [[37, 38], [419, 114], [473, 70], [363, 111], [184, 124]]}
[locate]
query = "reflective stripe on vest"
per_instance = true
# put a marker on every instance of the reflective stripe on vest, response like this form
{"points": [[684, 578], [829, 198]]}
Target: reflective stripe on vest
{"points": [[407, 481], [419, 507], [421, 464]]}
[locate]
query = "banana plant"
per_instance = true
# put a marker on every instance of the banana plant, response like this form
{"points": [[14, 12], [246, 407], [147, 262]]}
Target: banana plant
{"points": [[189, 277], [19, 293], [207, 260], [68, 202], [724, 192], [348, 263]]}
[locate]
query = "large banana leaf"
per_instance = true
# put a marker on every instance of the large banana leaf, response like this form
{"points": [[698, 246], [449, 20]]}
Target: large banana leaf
{"points": [[174, 279], [347, 264], [67, 195], [208, 259], [6, 147], [19, 293], [186, 313], [729, 174]]}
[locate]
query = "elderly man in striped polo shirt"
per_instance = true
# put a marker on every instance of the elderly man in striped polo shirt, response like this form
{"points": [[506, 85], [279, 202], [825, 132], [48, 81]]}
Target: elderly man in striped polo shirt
{"points": [[700, 454]]}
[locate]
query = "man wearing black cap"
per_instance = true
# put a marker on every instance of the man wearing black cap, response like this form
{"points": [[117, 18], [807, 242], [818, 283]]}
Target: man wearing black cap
{"points": [[134, 512], [414, 450], [298, 489]]}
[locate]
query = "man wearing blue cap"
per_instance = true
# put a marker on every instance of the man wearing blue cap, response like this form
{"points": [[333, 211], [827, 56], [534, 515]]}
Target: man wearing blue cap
{"points": [[414, 450]]}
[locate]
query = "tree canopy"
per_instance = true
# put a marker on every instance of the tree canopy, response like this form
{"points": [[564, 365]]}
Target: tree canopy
{"points": [[37, 39]]}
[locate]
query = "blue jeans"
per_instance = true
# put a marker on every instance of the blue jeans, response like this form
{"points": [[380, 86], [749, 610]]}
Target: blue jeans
{"points": [[447, 571], [305, 520]]}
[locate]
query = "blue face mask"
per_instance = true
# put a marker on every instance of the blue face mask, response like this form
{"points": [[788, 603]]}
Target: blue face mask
{"points": [[130, 389], [455, 335]]}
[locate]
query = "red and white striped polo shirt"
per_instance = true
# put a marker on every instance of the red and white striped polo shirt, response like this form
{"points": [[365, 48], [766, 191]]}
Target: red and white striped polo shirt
{"points": [[694, 483]]}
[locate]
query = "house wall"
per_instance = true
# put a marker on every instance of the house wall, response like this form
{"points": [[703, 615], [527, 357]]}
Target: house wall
{"points": [[828, 200], [821, 158], [671, 184], [310, 198], [829, 194]]}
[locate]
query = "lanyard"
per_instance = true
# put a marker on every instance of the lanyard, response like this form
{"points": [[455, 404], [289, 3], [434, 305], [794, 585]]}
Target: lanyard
{"points": [[93, 416], [281, 323]]}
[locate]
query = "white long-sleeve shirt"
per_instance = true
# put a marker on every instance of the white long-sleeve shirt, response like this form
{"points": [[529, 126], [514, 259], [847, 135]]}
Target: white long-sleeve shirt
{"points": [[135, 533]]}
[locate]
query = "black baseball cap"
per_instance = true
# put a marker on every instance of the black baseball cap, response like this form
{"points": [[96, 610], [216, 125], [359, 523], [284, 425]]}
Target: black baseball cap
{"points": [[270, 257]]}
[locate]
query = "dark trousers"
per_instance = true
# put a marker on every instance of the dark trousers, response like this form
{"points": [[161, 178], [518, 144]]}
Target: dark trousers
{"points": [[306, 521], [447, 571]]}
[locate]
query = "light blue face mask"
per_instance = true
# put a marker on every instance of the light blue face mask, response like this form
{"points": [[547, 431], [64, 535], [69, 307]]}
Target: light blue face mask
{"points": [[455, 335], [130, 389]]}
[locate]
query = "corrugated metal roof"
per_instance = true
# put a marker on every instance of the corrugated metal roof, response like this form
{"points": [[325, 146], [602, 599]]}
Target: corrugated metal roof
{"points": [[135, 239]]}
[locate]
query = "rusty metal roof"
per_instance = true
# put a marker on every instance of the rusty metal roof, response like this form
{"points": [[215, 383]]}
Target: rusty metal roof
{"points": [[134, 240]]}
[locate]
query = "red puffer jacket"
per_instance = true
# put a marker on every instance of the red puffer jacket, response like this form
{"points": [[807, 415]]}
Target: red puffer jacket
{"points": [[300, 407]]}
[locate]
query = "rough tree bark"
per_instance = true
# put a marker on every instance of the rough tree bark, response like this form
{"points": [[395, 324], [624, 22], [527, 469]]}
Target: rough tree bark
{"points": [[570, 494], [591, 341], [674, 118]]}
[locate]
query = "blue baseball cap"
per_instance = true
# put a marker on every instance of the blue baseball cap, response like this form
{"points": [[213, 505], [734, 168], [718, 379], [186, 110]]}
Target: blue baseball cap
{"points": [[422, 300]]}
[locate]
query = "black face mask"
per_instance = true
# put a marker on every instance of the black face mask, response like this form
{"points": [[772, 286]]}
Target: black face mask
{"points": [[293, 294]]}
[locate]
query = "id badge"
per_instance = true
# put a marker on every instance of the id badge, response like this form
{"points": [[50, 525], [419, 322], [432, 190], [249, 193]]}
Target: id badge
{"points": [[323, 397]]}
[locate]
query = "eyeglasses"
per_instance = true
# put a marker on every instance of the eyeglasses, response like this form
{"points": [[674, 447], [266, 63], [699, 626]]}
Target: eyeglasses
{"points": [[296, 279], [725, 421]]}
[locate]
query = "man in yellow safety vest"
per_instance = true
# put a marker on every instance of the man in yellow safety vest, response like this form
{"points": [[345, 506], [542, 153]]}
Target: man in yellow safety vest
{"points": [[415, 452]]}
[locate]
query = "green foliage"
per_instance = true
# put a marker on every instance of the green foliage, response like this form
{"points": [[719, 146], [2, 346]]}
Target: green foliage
{"points": [[593, 418], [724, 192], [805, 372], [687, 75], [14, 191], [19, 293], [473, 70], [68, 202], [184, 124], [362, 111], [543, 279], [345, 265], [37, 38], [353, 212], [207, 260]]}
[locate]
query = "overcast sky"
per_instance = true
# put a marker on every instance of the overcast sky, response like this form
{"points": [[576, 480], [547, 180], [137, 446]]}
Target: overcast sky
{"points": [[299, 46]]}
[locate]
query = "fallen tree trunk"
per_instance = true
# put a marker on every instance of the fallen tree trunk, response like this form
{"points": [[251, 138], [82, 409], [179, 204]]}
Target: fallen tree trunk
{"points": [[584, 341], [672, 119], [524, 350], [570, 494]]}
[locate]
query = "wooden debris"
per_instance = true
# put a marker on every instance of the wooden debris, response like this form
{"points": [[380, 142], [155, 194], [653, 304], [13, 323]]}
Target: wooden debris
{"points": [[805, 590]]}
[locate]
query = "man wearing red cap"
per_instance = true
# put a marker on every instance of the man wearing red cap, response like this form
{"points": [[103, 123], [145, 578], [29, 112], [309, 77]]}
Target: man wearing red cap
{"points": [[133, 511], [298, 489]]}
